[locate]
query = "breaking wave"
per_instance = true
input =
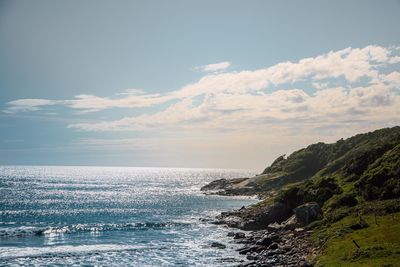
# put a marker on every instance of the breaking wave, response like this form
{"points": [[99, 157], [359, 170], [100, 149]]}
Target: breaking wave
{"points": [[24, 231]]}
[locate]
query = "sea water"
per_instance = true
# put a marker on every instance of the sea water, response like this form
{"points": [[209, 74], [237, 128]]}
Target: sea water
{"points": [[113, 216]]}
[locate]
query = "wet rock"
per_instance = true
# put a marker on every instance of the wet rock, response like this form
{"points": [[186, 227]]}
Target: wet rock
{"points": [[239, 235], [231, 234], [217, 245], [244, 250], [252, 257]]}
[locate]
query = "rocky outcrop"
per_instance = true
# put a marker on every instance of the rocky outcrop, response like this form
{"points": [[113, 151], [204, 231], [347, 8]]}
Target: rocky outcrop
{"points": [[250, 219], [219, 184], [308, 213], [231, 187]]}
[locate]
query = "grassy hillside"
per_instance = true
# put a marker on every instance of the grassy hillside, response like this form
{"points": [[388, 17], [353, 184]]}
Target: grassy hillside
{"points": [[379, 242], [356, 181], [344, 161]]}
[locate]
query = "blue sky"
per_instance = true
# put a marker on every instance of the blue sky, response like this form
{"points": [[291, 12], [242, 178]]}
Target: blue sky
{"points": [[192, 84]]}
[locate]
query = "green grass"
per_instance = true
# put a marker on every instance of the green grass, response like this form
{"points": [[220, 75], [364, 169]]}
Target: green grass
{"points": [[380, 243]]}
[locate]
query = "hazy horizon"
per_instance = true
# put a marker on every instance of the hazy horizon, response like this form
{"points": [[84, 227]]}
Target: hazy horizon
{"points": [[225, 84]]}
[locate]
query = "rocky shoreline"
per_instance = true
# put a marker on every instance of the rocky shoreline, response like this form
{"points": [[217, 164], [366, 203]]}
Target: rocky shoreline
{"points": [[273, 245], [271, 235], [348, 179]]}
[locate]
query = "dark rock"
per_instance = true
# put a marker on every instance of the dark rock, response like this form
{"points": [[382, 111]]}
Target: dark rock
{"points": [[244, 250], [252, 257], [243, 241], [275, 252], [273, 246], [239, 235], [254, 248], [276, 212], [218, 245], [307, 213], [231, 234], [265, 241]]}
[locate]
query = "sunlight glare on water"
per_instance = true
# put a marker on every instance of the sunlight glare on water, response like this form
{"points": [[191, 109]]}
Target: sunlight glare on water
{"points": [[112, 216]]}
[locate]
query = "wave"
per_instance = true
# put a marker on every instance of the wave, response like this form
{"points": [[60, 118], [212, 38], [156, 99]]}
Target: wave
{"points": [[62, 251], [24, 231]]}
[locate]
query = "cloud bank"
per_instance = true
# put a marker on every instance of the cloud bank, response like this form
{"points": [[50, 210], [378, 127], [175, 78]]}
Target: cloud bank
{"points": [[353, 86]]}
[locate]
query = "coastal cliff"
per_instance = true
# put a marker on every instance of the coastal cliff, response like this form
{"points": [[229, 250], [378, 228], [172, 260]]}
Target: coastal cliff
{"points": [[334, 198]]}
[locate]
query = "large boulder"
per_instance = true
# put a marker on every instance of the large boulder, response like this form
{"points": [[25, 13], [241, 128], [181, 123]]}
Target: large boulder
{"points": [[275, 213], [307, 213]]}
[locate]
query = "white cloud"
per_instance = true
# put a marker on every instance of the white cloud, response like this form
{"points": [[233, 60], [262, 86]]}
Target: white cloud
{"points": [[252, 100], [27, 105], [132, 92], [392, 79], [217, 67], [351, 64], [235, 112]]}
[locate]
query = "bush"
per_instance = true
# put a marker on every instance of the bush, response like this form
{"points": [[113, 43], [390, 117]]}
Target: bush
{"points": [[347, 200], [382, 179]]}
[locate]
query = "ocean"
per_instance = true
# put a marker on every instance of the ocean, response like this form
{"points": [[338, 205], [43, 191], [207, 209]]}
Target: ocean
{"points": [[113, 216]]}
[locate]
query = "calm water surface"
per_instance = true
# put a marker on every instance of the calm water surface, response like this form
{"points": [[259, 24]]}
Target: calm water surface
{"points": [[112, 216]]}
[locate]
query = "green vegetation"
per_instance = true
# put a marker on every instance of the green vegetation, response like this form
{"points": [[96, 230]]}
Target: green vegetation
{"points": [[381, 180], [361, 168], [379, 242], [357, 183]]}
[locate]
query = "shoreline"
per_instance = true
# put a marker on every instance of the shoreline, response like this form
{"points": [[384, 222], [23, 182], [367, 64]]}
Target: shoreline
{"points": [[266, 244]]}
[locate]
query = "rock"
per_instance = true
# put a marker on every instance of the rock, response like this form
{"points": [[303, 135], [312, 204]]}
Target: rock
{"points": [[252, 257], [244, 241], [229, 220], [276, 212], [231, 234], [307, 213], [217, 245], [215, 185], [275, 252], [222, 184], [248, 249], [239, 235], [233, 187], [265, 241], [304, 264], [290, 223], [245, 250], [273, 246]]}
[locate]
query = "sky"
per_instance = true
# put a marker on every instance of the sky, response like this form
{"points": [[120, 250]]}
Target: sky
{"points": [[208, 84]]}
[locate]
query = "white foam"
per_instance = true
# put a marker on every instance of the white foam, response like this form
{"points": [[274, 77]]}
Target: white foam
{"points": [[67, 250]]}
